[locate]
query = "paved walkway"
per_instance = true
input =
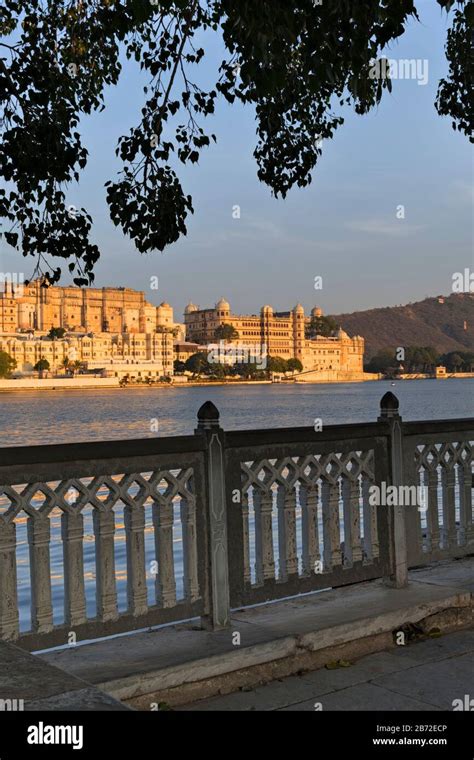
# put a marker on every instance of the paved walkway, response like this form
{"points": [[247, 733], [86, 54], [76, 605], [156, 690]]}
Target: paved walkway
{"points": [[425, 675], [42, 686]]}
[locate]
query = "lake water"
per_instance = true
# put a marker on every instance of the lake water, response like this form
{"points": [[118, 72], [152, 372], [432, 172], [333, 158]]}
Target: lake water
{"points": [[69, 416], [50, 417]]}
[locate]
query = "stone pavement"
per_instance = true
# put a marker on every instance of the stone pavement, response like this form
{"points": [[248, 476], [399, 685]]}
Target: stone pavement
{"points": [[183, 663], [421, 676], [42, 686]]}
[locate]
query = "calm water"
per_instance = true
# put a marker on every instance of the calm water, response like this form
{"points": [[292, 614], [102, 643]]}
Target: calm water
{"points": [[51, 417], [57, 416]]}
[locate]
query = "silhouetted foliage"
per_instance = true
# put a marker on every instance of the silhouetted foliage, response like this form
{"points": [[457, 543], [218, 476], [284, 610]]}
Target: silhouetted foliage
{"points": [[226, 332], [249, 371], [420, 359], [7, 364], [296, 62], [56, 333], [456, 361], [42, 366], [294, 365], [197, 363], [277, 364], [324, 326], [383, 361]]}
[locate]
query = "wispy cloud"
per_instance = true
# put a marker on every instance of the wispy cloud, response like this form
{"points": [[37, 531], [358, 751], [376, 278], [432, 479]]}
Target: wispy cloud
{"points": [[251, 229], [397, 228]]}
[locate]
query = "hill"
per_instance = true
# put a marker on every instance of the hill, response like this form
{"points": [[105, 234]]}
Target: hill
{"points": [[444, 322]]}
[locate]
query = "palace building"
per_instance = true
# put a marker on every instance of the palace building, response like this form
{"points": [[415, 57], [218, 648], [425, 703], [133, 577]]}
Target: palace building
{"points": [[106, 329], [283, 334], [141, 354], [82, 310], [110, 329]]}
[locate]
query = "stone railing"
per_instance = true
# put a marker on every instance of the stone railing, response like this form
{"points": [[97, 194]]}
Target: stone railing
{"points": [[102, 538], [438, 457], [124, 499]]}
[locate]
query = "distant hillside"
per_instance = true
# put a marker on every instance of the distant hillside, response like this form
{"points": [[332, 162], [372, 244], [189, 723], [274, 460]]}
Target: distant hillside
{"points": [[425, 323]]}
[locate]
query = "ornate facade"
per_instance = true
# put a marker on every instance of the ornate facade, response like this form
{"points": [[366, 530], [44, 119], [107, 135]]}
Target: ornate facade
{"points": [[107, 328], [115, 354], [82, 310], [283, 334]]}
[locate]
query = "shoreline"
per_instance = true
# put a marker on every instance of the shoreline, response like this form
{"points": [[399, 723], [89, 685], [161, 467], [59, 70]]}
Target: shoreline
{"points": [[163, 386], [135, 386]]}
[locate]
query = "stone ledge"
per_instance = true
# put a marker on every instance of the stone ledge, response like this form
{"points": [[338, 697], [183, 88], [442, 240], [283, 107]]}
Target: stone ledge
{"points": [[42, 686], [180, 663]]}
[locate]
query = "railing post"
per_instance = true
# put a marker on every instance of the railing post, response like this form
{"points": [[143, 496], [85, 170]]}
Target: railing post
{"points": [[215, 500], [398, 577], [8, 581]]}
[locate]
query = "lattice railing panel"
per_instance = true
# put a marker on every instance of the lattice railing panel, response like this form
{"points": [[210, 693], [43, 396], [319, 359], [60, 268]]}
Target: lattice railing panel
{"points": [[308, 515], [445, 472], [142, 526]]}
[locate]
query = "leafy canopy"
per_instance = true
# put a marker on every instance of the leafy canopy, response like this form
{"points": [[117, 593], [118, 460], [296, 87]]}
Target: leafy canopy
{"points": [[42, 365], [56, 333], [324, 326], [226, 333], [296, 62], [419, 359], [7, 364]]}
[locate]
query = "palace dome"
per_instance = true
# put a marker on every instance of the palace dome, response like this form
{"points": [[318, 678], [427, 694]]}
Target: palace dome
{"points": [[223, 305], [190, 308], [298, 309]]}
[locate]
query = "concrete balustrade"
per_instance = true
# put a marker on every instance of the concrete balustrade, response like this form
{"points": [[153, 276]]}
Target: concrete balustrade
{"points": [[221, 520]]}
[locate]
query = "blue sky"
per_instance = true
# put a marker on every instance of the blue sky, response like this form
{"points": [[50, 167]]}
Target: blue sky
{"points": [[343, 227]]}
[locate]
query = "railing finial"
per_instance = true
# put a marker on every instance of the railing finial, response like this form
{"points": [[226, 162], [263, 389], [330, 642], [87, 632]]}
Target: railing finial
{"points": [[389, 406], [208, 416]]}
